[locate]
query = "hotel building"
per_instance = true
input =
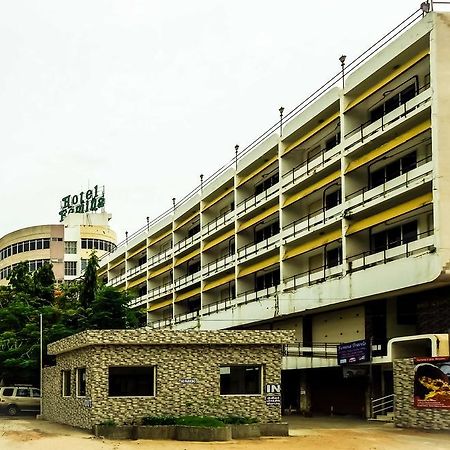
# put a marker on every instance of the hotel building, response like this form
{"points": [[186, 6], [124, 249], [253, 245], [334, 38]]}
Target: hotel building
{"points": [[67, 246], [336, 225]]}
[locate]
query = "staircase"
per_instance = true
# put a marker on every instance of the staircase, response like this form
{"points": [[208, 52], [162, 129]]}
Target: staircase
{"points": [[382, 409]]}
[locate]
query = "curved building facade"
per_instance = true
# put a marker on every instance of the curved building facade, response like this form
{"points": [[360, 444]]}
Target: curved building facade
{"points": [[67, 246]]}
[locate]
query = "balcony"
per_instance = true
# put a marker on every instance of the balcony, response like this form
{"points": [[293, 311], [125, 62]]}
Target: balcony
{"points": [[312, 222], [367, 197], [218, 265], [314, 276], [249, 251], [218, 223], [188, 242], [187, 280], [252, 202], [310, 167], [134, 271], [159, 291], [423, 244], [117, 280], [159, 258], [241, 299], [138, 301], [367, 130]]}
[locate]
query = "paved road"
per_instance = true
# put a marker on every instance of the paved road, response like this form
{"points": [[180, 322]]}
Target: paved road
{"points": [[25, 433]]}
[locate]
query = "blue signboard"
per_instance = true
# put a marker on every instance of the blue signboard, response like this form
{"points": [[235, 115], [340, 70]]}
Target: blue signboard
{"points": [[353, 352]]}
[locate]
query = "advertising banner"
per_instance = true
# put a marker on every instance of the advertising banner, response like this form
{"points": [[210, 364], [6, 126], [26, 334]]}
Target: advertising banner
{"points": [[431, 382], [353, 352]]}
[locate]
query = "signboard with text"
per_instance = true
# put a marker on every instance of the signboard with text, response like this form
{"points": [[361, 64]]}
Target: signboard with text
{"points": [[87, 201], [431, 382], [353, 352]]}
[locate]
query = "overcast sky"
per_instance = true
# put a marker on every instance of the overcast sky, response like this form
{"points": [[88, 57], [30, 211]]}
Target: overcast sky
{"points": [[144, 96]]}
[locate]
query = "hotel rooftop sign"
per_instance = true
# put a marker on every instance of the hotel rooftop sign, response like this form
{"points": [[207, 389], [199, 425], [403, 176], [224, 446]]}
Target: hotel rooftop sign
{"points": [[89, 201]]}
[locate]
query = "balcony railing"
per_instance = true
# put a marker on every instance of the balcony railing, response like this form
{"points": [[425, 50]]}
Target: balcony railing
{"points": [[218, 265], [159, 290], [159, 258], [219, 222], [415, 177], [137, 269], [423, 244], [191, 240], [264, 246], [304, 169], [312, 350], [312, 276], [367, 129], [188, 279], [311, 222], [253, 201], [117, 280]]}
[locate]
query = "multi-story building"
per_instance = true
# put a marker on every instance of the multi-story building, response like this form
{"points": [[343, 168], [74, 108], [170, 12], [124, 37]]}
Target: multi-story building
{"points": [[67, 245], [338, 226]]}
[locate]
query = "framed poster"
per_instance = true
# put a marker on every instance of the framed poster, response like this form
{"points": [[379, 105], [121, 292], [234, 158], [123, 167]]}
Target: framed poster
{"points": [[431, 382]]}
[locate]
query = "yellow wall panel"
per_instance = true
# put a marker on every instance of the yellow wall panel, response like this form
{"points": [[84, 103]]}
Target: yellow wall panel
{"points": [[160, 237], [160, 304], [187, 294], [259, 266], [390, 213], [394, 74], [382, 149], [258, 170], [160, 271], [218, 282], [313, 244], [219, 239], [217, 199], [185, 221], [311, 133], [136, 251], [136, 282], [187, 257], [257, 218], [314, 187]]}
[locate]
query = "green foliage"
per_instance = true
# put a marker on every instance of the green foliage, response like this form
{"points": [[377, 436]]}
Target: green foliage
{"points": [[159, 420], [108, 423], [66, 310]]}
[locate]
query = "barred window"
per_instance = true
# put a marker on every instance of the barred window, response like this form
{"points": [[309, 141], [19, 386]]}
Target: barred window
{"points": [[70, 247], [70, 268]]}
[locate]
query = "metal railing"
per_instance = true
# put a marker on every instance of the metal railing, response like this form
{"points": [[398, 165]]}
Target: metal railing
{"points": [[218, 222], [330, 83], [313, 350], [218, 264], [382, 405], [263, 246], [254, 200]]}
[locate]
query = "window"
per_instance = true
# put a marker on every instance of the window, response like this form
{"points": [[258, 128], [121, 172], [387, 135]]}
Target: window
{"points": [[395, 236], [393, 102], [332, 199], [335, 140], [81, 382], [194, 230], [393, 169], [8, 392], [334, 257], [240, 380], [83, 264], [35, 392], [70, 268], [267, 232], [70, 247], [65, 383], [267, 280], [131, 381], [267, 183], [193, 267], [23, 392]]}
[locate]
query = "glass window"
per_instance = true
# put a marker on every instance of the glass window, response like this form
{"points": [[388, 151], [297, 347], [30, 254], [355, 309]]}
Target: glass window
{"points": [[35, 392], [131, 381], [332, 199], [240, 380], [23, 392], [70, 247], [70, 268], [334, 257], [81, 382], [8, 392], [65, 383]]}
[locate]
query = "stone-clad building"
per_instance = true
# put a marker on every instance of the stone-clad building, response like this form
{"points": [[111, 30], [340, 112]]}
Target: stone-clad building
{"points": [[123, 375]]}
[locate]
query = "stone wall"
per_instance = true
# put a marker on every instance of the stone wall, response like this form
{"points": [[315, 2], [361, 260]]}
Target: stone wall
{"points": [[199, 361], [406, 415]]}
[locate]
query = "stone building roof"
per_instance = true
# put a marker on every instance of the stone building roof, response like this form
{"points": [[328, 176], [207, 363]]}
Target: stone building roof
{"points": [[148, 336]]}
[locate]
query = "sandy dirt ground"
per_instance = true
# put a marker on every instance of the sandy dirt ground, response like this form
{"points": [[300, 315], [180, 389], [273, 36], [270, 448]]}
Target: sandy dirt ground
{"points": [[25, 433]]}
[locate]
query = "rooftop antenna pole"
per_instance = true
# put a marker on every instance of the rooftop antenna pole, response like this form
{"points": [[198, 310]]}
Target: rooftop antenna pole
{"points": [[342, 60], [236, 150], [281, 110], [148, 224], [201, 183], [173, 203]]}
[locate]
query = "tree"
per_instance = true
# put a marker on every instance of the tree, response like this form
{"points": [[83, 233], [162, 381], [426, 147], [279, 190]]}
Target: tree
{"points": [[89, 284]]}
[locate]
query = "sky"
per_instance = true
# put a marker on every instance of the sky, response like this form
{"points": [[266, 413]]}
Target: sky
{"points": [[144, 96]]}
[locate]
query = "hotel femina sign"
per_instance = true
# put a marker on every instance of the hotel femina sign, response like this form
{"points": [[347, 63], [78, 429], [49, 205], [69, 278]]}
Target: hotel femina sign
{"points": [[88, 201]]}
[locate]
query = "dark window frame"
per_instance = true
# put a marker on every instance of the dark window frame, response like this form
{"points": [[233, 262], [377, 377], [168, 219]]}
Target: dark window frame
{"points": [[226, 379], [121, 381]]}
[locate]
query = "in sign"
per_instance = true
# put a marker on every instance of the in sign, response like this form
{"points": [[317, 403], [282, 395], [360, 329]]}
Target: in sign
{"points": [[273, 388]]}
